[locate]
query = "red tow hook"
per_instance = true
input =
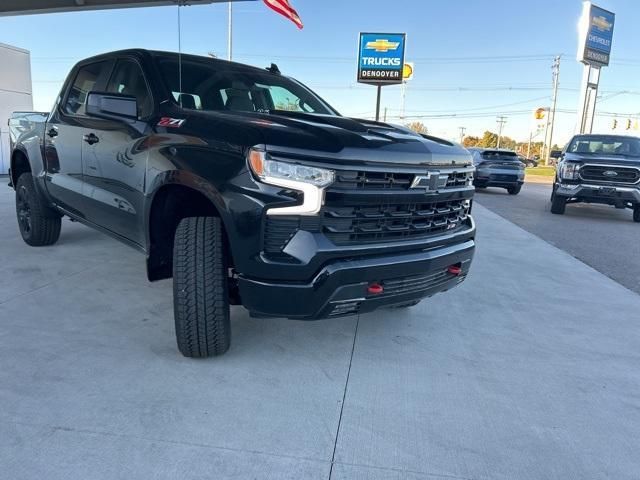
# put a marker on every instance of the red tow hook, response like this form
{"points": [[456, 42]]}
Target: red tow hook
{"points": [[454, 270], [375, 289]]}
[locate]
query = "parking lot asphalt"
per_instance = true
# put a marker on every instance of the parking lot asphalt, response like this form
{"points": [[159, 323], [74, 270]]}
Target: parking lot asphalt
{"points": [[526, 371], [599, 235]]}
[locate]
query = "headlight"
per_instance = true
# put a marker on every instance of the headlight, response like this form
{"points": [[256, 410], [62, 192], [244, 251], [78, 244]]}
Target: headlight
{"points": [[308, 180], [268, 170], [569, 171]]}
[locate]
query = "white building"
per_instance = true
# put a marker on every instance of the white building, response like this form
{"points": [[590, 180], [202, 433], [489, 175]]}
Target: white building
{"points": [[15, 92]]}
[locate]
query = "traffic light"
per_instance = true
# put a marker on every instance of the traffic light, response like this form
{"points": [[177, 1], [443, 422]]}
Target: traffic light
{"points": [[615, 124], [629, 124]]}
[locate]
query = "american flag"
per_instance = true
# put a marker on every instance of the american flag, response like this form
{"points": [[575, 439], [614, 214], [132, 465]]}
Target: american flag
{"points": [[284, 8]]}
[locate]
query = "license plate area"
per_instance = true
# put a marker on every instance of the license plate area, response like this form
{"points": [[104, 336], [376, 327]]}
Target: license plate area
{"points": [[606, 190]]}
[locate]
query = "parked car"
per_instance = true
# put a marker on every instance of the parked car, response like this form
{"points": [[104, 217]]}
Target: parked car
{"points": [[601, 169], [498, 168], [528, 162], [247, 188]]}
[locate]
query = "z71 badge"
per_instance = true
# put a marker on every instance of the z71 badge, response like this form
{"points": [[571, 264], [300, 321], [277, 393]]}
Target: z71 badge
{"points": [[171, 122]]}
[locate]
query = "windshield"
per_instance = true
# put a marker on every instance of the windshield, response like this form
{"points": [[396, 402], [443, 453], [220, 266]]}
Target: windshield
{"points": [[216, 86], [606, 145], [500, 155]]}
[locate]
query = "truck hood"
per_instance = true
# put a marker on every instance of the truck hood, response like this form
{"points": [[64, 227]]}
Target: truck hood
{"points": [[622, 160], [330, 139]]}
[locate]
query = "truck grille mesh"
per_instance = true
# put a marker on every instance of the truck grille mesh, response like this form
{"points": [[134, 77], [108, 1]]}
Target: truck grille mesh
{"points": [[370, 206], [596, 173], [350, 225], [361, 180]]}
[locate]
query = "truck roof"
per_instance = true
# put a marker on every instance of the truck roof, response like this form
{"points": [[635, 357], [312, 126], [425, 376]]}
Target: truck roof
{"points": [[142, 52]]}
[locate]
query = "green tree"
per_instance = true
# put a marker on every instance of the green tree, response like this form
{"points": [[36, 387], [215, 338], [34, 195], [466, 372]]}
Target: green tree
{"points": [[488, 140]]}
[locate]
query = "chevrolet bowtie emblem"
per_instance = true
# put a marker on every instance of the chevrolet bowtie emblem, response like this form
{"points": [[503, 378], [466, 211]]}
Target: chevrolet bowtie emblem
{"points": [[432, 181], [382, 45], [601, 24]]}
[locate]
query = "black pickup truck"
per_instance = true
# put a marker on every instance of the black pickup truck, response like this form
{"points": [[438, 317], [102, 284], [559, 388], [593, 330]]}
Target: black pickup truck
{"points": [[247, 188], [599, 169]]}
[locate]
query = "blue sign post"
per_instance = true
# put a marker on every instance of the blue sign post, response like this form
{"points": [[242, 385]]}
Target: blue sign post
{"points": [[598, 37], [381, 60]]}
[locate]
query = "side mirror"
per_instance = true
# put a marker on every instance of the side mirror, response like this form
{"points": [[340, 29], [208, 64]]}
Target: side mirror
{"points": [[555, 154], [112, 106]]}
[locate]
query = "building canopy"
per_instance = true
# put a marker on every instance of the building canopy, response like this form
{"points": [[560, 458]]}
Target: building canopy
{"points": [[26, 7]]}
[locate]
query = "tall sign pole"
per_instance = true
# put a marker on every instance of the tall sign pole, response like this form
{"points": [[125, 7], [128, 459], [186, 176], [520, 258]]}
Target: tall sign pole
{"points": [[230, 33], [596, 35], [381, 61]]}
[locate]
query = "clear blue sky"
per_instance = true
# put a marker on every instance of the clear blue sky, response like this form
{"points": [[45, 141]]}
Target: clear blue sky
{"points": [[452, 43]]}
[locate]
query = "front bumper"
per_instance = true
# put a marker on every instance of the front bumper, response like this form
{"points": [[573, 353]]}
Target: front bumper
{"points": [[607, 194], [341, 287]]}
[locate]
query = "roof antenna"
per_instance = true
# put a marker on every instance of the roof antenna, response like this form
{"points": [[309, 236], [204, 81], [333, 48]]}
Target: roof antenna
{"points": [[273, 69], [180, 2]]}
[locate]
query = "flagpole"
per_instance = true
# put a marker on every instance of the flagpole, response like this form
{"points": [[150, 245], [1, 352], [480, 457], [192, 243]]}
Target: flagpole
{"points": [[230, 33]]}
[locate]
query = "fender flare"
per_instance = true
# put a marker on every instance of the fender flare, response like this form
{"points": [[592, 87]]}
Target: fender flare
{"points": [[192, 181]]}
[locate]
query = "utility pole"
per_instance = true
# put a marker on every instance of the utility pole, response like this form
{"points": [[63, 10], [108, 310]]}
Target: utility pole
{"points": [[462, 130], [403, 96], [554, 102], [500, 120], [385, 114]]}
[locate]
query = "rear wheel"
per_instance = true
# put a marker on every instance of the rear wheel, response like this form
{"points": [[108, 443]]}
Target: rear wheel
{"points": [[514, 190], [39, 224], [636, 213], [200, 288], [558, 204]]}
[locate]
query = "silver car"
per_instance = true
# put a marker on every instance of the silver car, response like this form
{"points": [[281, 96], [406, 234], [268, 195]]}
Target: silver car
{"points": [[498, 168]]}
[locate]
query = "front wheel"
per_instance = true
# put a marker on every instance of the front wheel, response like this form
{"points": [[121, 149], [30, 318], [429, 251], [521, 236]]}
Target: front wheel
{"points": [[39, 224], [558, 204], [200, 288], [514, 190], [636, 213]]}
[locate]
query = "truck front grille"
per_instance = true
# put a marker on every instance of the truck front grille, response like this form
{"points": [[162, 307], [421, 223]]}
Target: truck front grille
{"points": [[375, 207], [610, 174], [370, 180], [390, 222]]}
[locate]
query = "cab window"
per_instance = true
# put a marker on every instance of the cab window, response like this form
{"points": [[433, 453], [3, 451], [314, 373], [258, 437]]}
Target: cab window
{"points": [[85, 82], [128, 79]]}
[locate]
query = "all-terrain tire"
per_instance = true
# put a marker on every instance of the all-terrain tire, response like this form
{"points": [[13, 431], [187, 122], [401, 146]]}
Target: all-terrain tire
{"points": [[558, 204], [39, 224], [636, 213], [200, 288], [514, 190]]}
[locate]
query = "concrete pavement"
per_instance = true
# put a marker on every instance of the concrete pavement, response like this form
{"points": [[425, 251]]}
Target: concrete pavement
{"points": [[599, 235], [483, 382]]}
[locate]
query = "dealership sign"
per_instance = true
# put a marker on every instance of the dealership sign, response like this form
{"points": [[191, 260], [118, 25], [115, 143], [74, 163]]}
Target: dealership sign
{"points": [[381, 58], [596, 35]]}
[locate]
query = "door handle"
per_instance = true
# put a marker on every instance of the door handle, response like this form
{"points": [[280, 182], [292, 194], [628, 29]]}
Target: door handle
{"points": [[53, 132], [91, 138]]}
